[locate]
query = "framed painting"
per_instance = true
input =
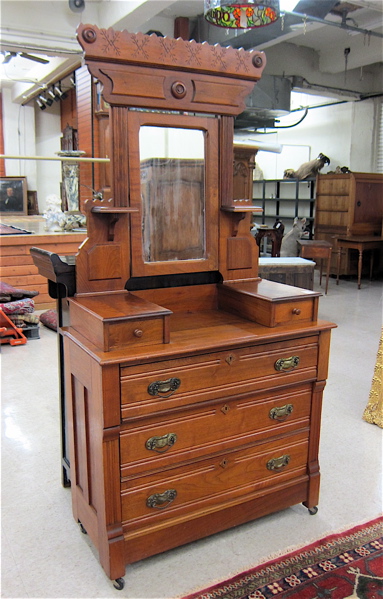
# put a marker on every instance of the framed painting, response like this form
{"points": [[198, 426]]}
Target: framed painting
{"points": [[33, 206], [13, 196]]}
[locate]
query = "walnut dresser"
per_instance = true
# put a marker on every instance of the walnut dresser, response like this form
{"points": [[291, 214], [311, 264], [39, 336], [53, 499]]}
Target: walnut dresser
{"points": [[193, 388]]}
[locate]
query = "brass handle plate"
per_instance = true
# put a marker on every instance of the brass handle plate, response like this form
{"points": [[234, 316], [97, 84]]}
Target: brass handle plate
{"points": [[281, 413], [161, 501], [286, 364], [164, 388], [161, 444], [278, 463]]}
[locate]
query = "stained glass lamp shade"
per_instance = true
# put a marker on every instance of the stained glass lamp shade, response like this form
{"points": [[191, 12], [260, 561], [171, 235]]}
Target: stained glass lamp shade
{"points": [[241, 15]]}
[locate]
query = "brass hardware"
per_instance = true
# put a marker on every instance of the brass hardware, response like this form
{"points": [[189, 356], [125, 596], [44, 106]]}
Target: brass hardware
{"points": [[138, 332], [287, 363], [160, 387], [161, 501], [225, 409], [282, 412], [296, 311], [230, 359], [277, 463], [224, 463], [161, 444]]}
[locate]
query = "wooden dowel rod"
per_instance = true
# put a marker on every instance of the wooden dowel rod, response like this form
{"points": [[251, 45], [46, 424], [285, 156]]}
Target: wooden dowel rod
{"points": [[60, 158]]}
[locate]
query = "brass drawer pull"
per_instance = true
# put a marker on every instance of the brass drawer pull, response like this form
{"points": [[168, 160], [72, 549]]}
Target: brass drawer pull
{"points": [[161, 501], [164, 388], [285, 364], [278, 463], [282, 412], [161, 444]]}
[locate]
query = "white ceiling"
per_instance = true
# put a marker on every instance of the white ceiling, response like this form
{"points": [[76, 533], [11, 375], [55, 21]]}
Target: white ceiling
{"points": [[310, 51]]}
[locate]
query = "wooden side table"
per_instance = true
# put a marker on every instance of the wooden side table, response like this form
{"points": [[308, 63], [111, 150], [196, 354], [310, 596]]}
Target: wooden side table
{"points": [[316, 249], [361, 244]]}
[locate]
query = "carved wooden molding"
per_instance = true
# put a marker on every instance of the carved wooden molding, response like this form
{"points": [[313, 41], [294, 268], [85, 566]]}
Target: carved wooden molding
{"points": [[164, 52], [147, 71]]}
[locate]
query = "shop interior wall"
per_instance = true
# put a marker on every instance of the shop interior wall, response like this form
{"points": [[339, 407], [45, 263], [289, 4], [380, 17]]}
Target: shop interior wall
{"points": [[343, 132]]}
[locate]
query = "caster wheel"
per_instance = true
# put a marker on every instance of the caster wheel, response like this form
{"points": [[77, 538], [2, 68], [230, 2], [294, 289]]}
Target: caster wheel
{"points": [[312, 510], [82, 529], [119, 584]]}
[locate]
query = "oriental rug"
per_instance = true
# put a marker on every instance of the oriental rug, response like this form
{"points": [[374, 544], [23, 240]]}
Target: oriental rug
{"points": [[345, 565], [11, 230]]}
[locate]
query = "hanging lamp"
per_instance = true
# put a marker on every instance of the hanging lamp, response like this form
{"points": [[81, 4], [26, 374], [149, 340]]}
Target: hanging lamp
{"points": [[248, 14]]}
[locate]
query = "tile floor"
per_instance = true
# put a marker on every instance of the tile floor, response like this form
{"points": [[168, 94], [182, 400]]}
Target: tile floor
{"points": [[44, 553]]}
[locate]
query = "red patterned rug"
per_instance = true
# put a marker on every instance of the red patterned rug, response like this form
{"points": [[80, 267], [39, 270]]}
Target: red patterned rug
{"points": [[346, 565]]}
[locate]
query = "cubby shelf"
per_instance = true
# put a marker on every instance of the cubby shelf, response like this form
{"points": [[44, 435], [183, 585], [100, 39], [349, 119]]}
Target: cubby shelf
{"points": [[285, 199]]}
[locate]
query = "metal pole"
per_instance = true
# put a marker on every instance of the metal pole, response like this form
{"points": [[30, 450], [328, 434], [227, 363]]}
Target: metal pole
{"points": [[60, 158]]}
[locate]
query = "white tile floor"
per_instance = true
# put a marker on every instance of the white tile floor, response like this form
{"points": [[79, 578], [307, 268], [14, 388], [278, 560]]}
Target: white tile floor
{"points": [[44, 553]]}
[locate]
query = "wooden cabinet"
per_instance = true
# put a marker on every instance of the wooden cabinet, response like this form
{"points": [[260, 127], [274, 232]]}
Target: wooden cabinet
{"points": [[349, 204], [193, 388]]}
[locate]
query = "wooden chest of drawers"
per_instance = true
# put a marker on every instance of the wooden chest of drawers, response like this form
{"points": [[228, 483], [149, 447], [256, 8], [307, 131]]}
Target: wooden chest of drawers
{"points": [[346, 205], [196, 435]]}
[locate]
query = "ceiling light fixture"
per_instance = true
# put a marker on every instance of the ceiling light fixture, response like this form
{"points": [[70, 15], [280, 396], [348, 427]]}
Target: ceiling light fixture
{"points": [[59, 94], [41, 105], [46, 101], [52, 94], [247, 14]]}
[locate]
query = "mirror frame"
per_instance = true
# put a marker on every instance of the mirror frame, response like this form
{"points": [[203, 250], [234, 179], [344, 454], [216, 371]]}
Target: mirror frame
{"points": [[209, 126]]}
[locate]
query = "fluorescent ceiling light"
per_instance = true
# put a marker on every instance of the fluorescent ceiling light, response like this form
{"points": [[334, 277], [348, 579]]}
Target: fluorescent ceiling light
{"points": [[287, 5]]}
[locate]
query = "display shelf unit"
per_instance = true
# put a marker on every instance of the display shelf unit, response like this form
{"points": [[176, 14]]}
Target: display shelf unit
{"points": [[285, 199]]}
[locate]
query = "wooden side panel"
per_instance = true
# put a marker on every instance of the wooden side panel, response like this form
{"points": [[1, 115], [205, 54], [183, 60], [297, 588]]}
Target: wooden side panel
{"points": [[103, 260], [85, 132], [2, 161], [94, 453]]}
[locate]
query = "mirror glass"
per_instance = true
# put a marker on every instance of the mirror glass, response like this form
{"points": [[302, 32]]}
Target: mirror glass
{"points": [[172, 163]]}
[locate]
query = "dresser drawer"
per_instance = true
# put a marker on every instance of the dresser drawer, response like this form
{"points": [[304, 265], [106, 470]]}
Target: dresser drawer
{"points": [[288, 313], [208, 484], [160, 442], [147, 389]]}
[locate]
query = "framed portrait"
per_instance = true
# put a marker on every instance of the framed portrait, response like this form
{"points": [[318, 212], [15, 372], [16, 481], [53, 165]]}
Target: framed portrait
{"points": [[33, 206], [13, 196]]}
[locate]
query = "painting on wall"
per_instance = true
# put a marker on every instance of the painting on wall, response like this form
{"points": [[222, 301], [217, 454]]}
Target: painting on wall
{"points": [[13, 196]]}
